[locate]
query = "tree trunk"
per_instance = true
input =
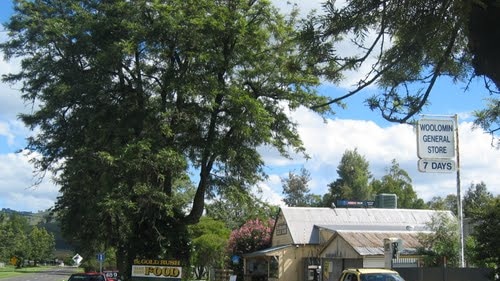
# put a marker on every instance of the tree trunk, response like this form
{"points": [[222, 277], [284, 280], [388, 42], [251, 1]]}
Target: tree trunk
{"points": [[484, 36]]}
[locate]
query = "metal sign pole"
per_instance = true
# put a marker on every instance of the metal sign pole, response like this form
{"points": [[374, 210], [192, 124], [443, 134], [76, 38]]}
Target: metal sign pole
{"points": [[435, 147], [459, 200]]}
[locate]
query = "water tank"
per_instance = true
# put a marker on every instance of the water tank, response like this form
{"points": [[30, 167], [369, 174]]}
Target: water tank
{"points": [[386, 200]]}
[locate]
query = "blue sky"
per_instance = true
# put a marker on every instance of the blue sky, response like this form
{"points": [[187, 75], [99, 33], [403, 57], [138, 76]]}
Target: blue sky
{"points": [[355, 127]]}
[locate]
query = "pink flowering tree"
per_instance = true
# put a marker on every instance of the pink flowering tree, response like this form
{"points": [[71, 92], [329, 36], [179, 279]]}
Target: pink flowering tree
{"points": [[252, 236]]}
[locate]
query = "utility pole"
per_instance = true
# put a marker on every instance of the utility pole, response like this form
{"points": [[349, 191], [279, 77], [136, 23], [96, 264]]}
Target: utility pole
{"points": [[459, 200]]}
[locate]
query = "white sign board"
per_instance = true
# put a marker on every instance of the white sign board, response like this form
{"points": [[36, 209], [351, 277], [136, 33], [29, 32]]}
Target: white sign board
{"points": [[436, 138], [436, 165], [77, 259]]}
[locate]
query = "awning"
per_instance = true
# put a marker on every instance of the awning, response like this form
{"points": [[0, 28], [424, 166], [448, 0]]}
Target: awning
{"points": [[266, 252]]}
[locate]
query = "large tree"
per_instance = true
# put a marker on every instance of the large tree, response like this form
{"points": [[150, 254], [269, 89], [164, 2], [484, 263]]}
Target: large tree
{"points": [[131, 97], [441, 243], [398, 181], [476, 200], [295, 188], [14, 229], [41, 245], [447, 203], [353, 179], [209, 242], [487, 250], [296, 191], [235, 207], [408, 45], [252, 236]]}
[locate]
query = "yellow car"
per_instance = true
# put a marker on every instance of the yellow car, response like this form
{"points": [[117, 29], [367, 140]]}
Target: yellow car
{"points": [[370, 274]]}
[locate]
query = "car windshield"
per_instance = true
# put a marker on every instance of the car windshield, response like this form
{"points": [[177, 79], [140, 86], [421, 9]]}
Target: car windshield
{"points": [[381, 277], [86, 278]]}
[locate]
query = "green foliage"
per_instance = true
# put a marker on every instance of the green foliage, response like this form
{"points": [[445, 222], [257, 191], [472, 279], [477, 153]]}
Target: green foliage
{"points": [[53, 227], [448, 203], [23, 241], [41, 244], [487, 241], [480, 209], [296, 191], [470, 252], [3, 236], [90, 263], [407, 46], [209, 242], [442, 244], [476, 200], [352, 183], [135, 95], [413, 43], [398, 181], [14, 231], [235, 206], [489, 118]]}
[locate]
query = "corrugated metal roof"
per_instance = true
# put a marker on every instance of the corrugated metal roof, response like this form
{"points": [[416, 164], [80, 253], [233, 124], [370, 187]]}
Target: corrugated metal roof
{"points": [[373, 227], [372, 243], [303, 222]]}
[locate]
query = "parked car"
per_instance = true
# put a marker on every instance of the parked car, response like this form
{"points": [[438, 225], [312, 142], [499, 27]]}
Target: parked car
{"points": [[370, 274], [87, 276]]}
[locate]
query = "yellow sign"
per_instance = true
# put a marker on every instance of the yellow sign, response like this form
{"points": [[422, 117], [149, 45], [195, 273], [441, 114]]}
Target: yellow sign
{"points": [[156, 271], [13, 260]]}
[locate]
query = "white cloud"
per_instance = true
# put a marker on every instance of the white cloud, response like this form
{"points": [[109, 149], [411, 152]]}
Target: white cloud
{"points": [[267, 194], [10, 101], [6, 132], [13, 131], [327, 141], [16, 185]]}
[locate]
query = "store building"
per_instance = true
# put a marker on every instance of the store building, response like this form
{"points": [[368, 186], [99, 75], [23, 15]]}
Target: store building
{"points": [[318, 243]]}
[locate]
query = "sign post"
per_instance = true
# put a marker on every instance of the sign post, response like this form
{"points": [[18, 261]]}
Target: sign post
{"points": [[437, 141], [100, 257], [77, 259]]}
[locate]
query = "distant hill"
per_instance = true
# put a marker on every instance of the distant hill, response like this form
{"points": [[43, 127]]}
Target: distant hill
{"points": [[42, 219], [10, 211]]}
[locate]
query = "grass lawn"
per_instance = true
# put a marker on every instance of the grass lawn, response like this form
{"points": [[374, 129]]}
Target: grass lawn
{"points": [[11, 271]]}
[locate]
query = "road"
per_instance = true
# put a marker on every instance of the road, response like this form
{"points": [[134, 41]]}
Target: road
{"points": [[54, 274]]}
